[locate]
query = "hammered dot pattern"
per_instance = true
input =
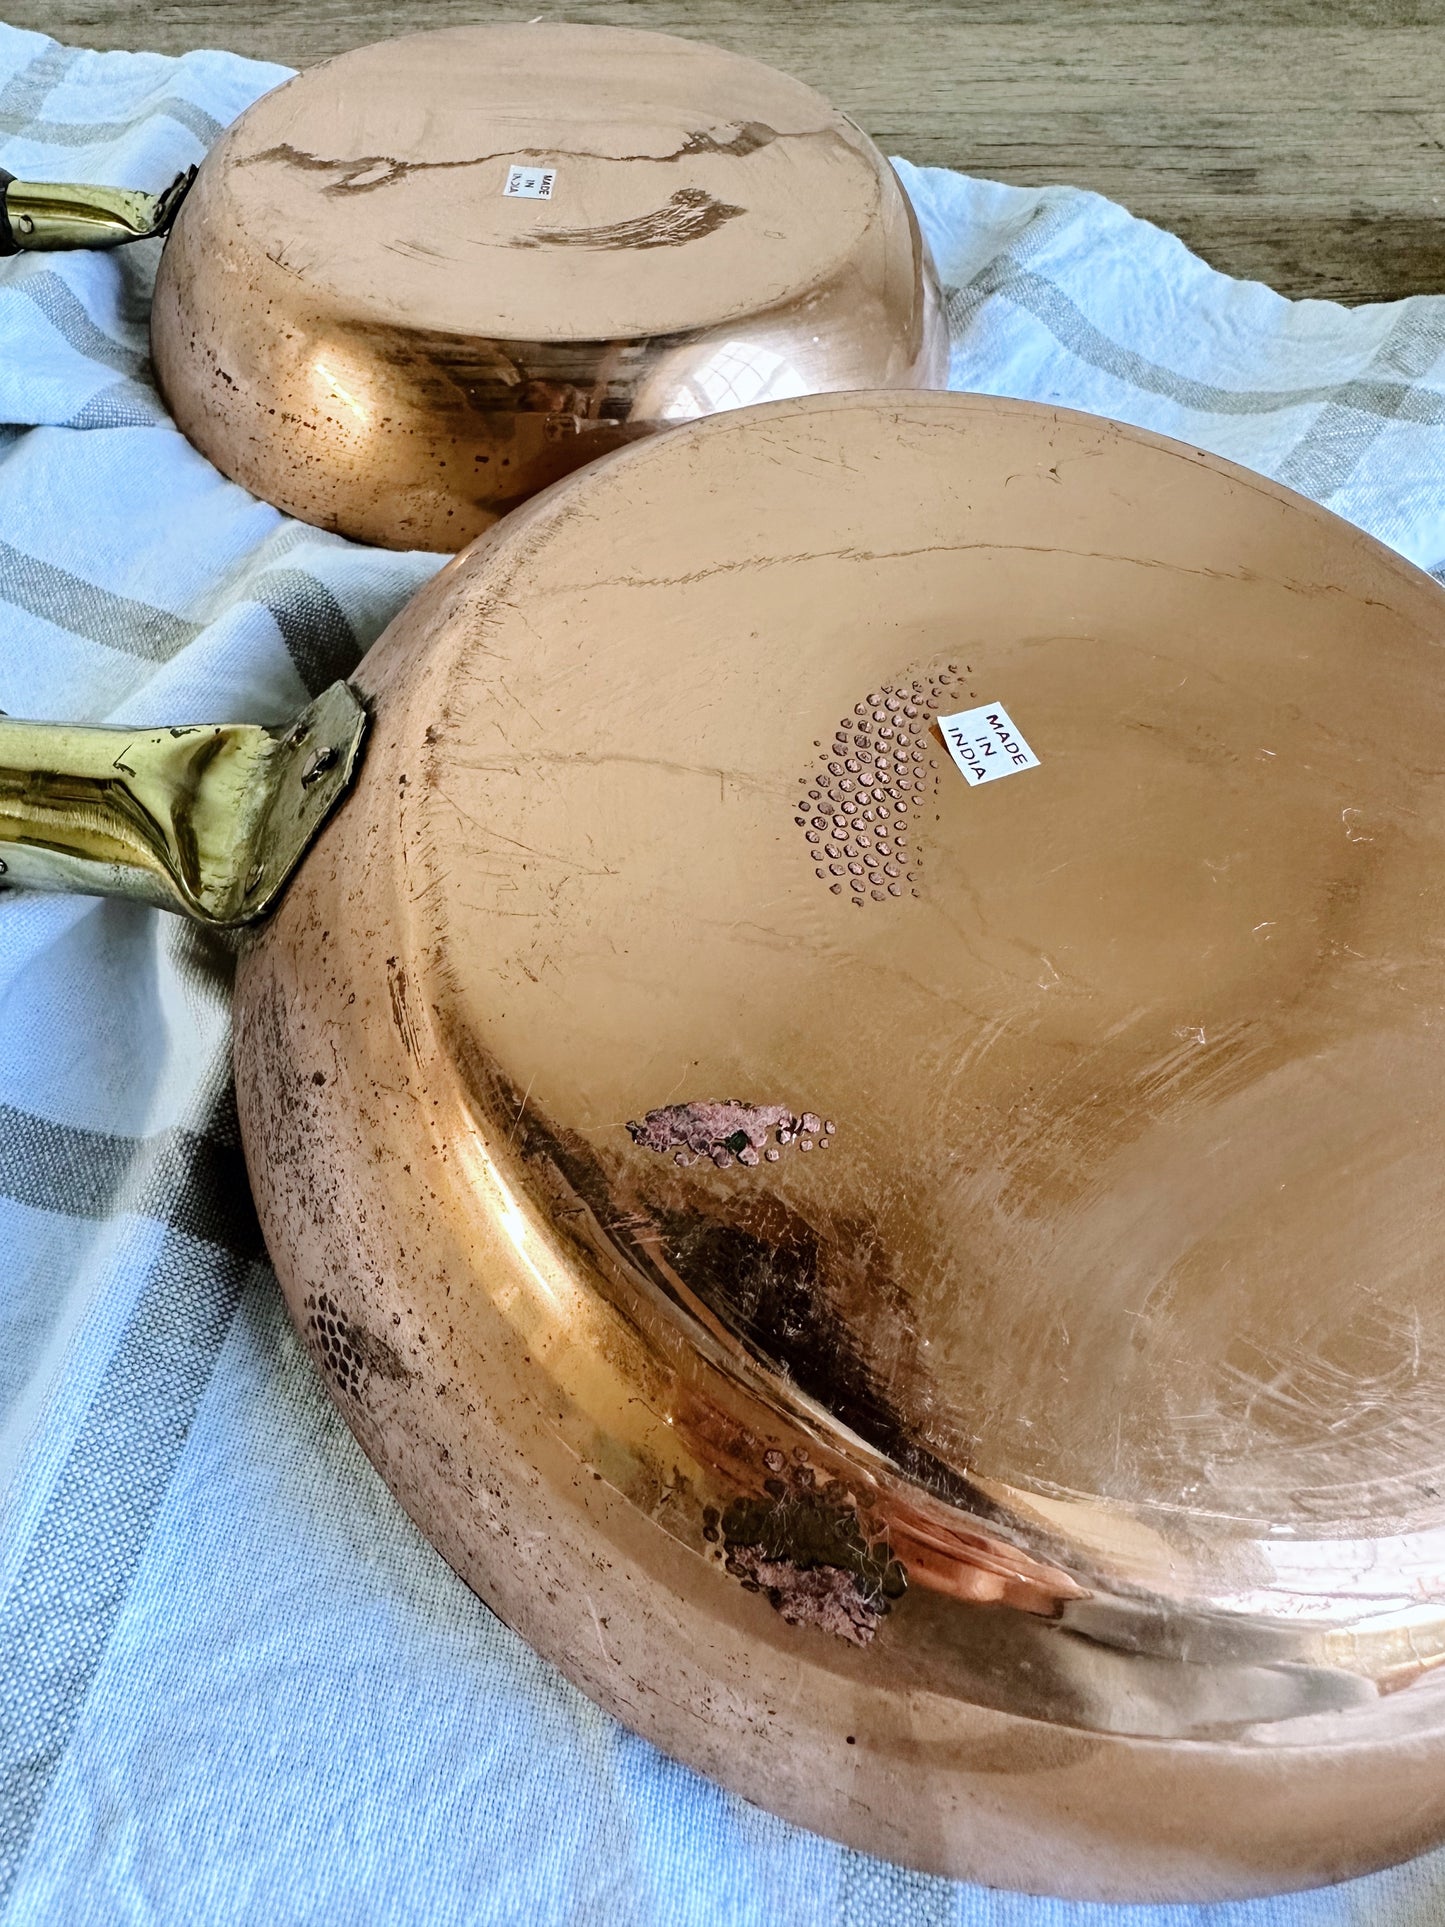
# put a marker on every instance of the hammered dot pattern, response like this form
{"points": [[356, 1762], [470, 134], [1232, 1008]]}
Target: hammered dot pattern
{"points": [[334, 1343], [859, 808]]}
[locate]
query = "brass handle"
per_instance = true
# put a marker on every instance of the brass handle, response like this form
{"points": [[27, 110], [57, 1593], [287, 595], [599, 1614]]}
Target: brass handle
{"points": [[51, 215], [209, 821]]}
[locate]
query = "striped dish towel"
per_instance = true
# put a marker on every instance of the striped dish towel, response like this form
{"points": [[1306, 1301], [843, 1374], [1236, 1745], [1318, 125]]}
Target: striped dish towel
{"points": [[235, 1685]]}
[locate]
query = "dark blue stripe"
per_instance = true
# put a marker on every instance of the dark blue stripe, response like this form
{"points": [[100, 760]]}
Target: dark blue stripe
{"points": [[194, 1181], [85, 609], [58, 1619], [77, 1569], [317, 632], [315, 628]]}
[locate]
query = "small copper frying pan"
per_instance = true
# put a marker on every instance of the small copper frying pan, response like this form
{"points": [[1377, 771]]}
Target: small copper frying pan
{"points": [[852, 1107], [414, 285]]}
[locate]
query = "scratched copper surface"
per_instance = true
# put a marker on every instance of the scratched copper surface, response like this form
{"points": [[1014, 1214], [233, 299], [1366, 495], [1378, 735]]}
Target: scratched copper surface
{"points": [[356, 319], [966, 1368]]}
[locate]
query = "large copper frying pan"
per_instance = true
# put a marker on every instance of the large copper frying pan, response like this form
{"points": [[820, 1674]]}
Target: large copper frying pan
{"points": [[920, 1294], [421, 281]]}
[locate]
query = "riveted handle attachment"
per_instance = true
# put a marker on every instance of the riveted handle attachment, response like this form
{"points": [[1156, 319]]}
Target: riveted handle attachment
{"points": [[47, 216], [207, 820]]}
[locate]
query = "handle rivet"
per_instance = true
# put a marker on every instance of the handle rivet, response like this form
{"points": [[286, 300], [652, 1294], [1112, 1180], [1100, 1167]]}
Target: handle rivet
{"points": [[316, 764]]}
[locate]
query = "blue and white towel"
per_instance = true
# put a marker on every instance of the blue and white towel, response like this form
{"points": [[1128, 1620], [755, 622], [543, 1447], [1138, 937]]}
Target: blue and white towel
{"points": [[235, 1685]]}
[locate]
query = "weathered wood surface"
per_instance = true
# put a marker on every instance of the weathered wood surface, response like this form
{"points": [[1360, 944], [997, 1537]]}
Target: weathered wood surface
{"points": [[1301, 142]]}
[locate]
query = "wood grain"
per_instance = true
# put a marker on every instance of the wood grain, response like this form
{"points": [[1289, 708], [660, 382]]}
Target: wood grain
{"points": [[1299, 142]]}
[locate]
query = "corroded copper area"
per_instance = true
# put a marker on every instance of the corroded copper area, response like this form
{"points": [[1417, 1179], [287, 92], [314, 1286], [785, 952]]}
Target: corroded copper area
{"points": [[1043, 1484], [422, 281], [729, 1130]]}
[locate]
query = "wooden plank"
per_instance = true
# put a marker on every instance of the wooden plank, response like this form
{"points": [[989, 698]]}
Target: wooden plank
{"points": [[1309, 156]]}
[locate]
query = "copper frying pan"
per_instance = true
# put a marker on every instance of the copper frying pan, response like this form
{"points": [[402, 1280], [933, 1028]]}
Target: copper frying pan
{"points": [[917, 1287], [415, 284]]}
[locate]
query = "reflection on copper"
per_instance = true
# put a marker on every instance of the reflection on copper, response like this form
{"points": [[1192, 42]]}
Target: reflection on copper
{"points": [[1041, 1485], [736, 375], [336, 390], [393, 348]]}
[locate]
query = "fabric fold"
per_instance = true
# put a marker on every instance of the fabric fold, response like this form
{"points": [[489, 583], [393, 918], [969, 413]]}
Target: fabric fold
{"points": [[235, 1685]]}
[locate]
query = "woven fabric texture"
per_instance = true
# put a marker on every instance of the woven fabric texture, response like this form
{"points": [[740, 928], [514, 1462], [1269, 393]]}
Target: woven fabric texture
{"points": [[235, 1684]]}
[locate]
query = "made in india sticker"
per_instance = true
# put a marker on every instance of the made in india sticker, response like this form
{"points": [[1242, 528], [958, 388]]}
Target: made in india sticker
{"points": [[985, 743], [530, 183]]}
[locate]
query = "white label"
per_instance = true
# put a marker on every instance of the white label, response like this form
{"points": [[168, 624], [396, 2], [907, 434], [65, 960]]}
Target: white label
{"points": [[530, 183], [985, 744]]}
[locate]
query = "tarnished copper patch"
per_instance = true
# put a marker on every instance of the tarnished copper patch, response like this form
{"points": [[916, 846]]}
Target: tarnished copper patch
{"points": [[725, 1129]]}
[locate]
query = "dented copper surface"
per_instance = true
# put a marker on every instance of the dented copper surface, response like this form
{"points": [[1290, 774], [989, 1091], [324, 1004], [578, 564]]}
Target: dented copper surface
{"points": [[1042, 1483], [359, 319]]}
